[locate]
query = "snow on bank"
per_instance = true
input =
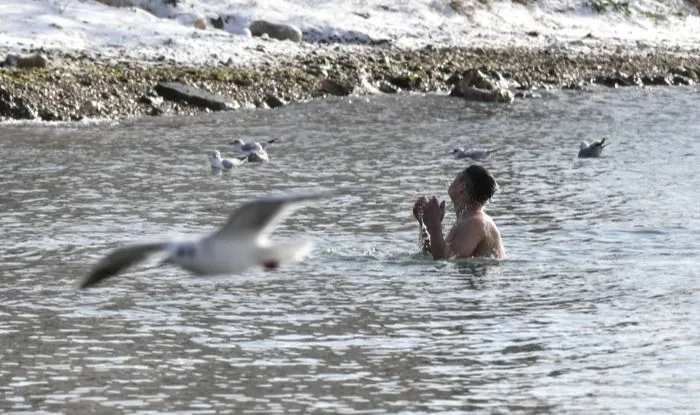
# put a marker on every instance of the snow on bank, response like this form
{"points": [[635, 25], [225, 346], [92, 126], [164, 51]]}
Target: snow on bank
{"points": [[132, 33]]}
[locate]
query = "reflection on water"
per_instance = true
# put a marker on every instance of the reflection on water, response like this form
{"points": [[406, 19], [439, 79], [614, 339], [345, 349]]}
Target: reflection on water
{"points": [[591, 313]]}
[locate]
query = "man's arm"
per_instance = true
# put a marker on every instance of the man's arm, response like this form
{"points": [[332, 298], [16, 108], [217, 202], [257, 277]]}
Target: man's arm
{"points": [[418, 213], [433, 213], [438, 247]]}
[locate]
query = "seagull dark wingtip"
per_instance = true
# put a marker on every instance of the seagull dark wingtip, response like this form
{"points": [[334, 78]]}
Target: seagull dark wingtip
{"points": [[119, 260], [105, 269], [93, 278]]}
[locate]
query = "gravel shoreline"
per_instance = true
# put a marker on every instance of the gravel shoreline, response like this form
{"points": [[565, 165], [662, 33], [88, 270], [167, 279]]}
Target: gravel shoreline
{"points": [[74, 87]]}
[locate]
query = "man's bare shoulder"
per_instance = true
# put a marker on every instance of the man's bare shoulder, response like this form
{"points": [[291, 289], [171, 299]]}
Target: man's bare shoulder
{"points": [[493, 244], [469, 226], [472, 222], [480, 232], [488, 219], [485, 222]]}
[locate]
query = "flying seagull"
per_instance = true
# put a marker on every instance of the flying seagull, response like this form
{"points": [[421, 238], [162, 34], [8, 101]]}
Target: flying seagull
{"points": [[591, 150], [472, 153], [217, 163], [241, 243]]}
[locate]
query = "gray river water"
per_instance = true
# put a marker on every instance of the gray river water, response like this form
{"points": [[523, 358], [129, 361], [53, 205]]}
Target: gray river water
{"points": [[594, 311]]}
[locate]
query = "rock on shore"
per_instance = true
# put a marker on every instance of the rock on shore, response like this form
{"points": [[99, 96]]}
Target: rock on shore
{"points": [[275, 30], [69, 87]]}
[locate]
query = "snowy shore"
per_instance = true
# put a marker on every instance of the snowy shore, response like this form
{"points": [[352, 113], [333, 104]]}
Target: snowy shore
{"points": [[155, 31], [105, 61]]}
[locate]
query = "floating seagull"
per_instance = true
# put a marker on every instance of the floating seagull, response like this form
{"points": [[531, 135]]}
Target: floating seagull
{"points": [[253, 152], [472, 153], [258, 155], [239, 146], [217, 163], [591, 150], [240, 244]]}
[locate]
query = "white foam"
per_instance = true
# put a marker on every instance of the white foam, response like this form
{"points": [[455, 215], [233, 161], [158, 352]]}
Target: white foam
{"points": [[168, 33]]}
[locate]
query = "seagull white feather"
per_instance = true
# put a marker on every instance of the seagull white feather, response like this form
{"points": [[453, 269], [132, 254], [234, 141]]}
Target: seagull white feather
{"points": [[240, 244]]}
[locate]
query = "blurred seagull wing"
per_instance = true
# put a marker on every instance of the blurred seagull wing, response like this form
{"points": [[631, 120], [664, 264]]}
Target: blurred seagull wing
{"points": [[121, 259], [260, 217]]}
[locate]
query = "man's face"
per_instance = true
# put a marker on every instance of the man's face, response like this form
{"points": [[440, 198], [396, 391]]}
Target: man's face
{"points": [[457, 189]]}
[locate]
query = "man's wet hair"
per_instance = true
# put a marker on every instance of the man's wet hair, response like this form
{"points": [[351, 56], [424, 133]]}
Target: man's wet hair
{"points": [[482, 184]]}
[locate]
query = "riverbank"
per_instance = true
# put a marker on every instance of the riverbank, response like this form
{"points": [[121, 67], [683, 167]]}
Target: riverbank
{"points": [[74, 87]]}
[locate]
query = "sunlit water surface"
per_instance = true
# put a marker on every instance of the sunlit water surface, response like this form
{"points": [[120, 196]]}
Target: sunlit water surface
{"points": [[594, 311]]}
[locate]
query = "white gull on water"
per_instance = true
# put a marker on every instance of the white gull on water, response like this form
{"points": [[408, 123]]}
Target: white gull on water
{"points": [[258, 156], [241, 243], [253, 152], [218, 163], [591, 150], [240, 146], [472, 153]]}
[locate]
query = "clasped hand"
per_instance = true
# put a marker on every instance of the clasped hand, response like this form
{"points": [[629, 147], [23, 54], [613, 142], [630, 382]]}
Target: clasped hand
{"points": [[429, 211]]}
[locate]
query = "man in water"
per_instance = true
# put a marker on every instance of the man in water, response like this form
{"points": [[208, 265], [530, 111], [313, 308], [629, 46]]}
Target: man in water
{"points": [[474, 233]]}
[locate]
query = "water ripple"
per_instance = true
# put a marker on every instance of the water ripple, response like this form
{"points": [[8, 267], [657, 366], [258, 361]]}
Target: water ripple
{"points": [[590, 313]]}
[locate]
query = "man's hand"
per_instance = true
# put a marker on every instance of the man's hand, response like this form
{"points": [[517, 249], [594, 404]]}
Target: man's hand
{"points": [[418, 207], [433, 212], [421, 203]]}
